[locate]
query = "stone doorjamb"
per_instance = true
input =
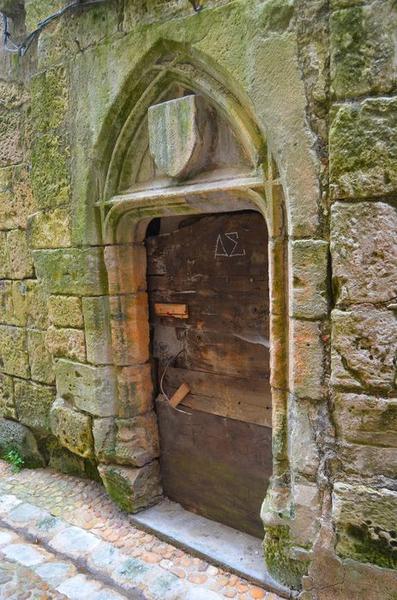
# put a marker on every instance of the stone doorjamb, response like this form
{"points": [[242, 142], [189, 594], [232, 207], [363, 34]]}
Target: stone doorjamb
{"points": [[294, 339]]}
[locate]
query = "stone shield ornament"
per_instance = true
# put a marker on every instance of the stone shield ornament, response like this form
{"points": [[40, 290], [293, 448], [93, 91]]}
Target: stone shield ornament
{"points": [[180, 135]]}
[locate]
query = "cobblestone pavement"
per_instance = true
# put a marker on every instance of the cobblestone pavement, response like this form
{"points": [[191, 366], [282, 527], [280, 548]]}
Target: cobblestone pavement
{"points": [[62, 537]]}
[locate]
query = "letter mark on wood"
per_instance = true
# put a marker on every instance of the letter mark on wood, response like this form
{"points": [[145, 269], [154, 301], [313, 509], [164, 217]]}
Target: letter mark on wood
{"points": [[224, 248]]}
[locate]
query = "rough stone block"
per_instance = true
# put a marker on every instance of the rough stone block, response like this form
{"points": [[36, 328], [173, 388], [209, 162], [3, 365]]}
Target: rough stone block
{"points": [[307, 356], [50, 99], [365, 521], [14, 358], [50, 170], [12, 94], [65, 311], [68, 343], [362, 49], [50, 229], [19, 255], [15, 436], [363, 419], [364, 255], [363, 149], [16, 199], [64, 461], [127, 441], [22, 303], [126, 267], [363, 343], [11, 124], [377, 462], [41, 366], [135, 390], [33, 403], [129, 319], [73, 271], [6, 303], [309, 260], [7, 405], [72, 428], [92, 389], [97, 330], [4, 262], [35, 303], [132, 489]]}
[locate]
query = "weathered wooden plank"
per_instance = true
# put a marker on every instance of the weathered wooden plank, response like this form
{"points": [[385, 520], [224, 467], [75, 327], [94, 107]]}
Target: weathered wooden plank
{"points": [[214, 466], [247, 400], [221, 353], [168, 309], [225, 281], [240, 313], [235, 354]]}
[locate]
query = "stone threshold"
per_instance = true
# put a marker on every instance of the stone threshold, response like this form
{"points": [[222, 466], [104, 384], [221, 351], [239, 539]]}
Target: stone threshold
{"points": [[219, 544]]}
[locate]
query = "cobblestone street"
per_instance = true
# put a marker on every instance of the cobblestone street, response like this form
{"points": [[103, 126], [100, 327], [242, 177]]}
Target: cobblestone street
{"points": [[61, 537]]}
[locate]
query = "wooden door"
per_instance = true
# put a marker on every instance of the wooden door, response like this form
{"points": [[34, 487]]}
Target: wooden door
{"points": [[208, 291]]}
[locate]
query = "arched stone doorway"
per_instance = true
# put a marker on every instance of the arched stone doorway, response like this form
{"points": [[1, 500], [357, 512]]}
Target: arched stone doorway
{"points": [[239, 176]]}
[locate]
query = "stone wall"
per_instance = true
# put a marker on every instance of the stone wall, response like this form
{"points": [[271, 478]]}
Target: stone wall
{"points": [[319, 78], [363, 226]]}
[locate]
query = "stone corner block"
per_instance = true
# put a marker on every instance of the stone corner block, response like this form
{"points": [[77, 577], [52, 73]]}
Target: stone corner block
{"points": [[74, 271], [365, 419], [91, 389], [96, 313], [309, 262], [306, 376], [365, 520], [362, 354], [132, 442], [132, 489], [363, 149], [363, 246], [135, 390], [129, 321], [72, 428]]}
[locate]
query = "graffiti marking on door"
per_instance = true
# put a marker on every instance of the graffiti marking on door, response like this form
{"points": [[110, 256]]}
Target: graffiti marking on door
{"points": [[228, 244]]}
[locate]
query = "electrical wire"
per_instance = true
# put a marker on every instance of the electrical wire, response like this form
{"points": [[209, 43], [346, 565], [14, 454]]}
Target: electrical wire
{"points": [[168, 364], [24, 46]]}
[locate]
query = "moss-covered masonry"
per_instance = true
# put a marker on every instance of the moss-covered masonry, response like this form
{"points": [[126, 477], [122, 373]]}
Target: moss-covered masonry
{"points": [[315, 81]]}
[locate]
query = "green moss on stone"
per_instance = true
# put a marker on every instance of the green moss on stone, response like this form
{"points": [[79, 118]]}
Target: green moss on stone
{"points": [[50, 170], [276, 15], [277, 546], [362, 48], [363, 149], [373, 545], [348, 37], [49, 91]]}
